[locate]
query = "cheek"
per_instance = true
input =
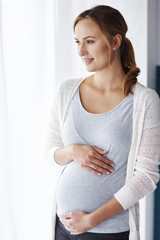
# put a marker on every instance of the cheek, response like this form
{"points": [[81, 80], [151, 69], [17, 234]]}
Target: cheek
{"points": [[103, 57], [105, 50], [102, 52]]}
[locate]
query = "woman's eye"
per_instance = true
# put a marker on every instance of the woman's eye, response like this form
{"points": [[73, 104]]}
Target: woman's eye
{"points": [[90, 41], [77, 42]]}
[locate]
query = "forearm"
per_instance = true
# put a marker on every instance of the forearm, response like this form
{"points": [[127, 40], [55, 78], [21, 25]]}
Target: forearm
{"points": [[63, 156], [106, 211], [80, 222]]}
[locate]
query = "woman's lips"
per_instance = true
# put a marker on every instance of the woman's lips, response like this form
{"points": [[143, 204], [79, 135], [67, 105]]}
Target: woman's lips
{"points": [[88, 60]]}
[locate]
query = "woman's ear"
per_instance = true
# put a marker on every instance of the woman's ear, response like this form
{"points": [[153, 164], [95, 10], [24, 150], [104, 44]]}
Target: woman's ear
{"points": [[116, 43]]}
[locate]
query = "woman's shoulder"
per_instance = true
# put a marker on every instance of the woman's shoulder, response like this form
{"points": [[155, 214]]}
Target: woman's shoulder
{"points": [[146, 93]]}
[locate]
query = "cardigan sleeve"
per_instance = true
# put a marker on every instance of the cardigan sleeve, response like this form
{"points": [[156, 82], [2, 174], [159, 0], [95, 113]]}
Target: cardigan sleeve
{"points": [[53, 138], [63, 97], [146, 172]]}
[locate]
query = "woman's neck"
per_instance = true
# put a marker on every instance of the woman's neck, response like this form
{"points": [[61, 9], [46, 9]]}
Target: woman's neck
{"points": [[108, 79]]}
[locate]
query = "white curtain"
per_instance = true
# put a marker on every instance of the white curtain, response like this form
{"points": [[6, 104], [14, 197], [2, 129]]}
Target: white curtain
{"points": [[37, 51], [26, 89], [5, 180]]}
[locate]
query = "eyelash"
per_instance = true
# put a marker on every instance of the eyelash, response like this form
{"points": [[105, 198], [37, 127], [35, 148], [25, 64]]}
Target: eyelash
{"points": [[88, 41]]}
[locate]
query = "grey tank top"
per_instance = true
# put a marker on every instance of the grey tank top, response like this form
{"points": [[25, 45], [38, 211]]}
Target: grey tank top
{"points": [[80, 190]]}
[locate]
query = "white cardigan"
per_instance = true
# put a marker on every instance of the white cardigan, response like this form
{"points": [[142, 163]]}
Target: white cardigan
{"points": [[142, 169]]}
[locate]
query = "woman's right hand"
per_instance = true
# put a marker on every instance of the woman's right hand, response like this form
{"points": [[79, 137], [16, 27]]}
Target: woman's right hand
{"points": [[91, 158]]}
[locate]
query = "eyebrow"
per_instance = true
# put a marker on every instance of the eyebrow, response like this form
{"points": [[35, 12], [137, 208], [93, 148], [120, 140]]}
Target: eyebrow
{"points": [[85, 37]]}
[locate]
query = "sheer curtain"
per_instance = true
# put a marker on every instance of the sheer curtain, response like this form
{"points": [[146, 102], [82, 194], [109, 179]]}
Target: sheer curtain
{"points": [[5, 195], [37, 51], [26, 89]]}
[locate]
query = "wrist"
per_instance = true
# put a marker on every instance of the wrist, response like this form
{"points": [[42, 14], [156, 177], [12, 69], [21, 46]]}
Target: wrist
{"points": [[70, 152], [94, 219], [106, 211]]}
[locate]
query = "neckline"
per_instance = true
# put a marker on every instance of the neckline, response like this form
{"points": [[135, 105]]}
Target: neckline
{"points": [[103, 113]]}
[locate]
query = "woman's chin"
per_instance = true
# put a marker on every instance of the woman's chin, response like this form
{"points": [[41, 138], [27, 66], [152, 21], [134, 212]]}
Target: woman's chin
{"points": [[90, 69]]}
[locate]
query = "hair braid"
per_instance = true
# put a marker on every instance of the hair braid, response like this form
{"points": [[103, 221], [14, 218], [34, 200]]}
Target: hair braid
{"points": [[129, 65]]}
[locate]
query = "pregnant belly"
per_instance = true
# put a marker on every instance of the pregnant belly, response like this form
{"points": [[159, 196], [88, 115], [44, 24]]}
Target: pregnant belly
{"points": [[80, 190]]}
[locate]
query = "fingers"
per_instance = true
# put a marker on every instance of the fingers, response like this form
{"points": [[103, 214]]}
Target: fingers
{"points": [[92, 170], [98, 163], [102, 167], [67, 225], [66, 220], [75, 222], [104, 159], [92, 159], [76, 232], [100, 150], [67, 215], [99, 155], [98, 170]]}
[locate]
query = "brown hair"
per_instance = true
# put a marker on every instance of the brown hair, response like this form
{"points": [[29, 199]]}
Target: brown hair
{"points": [[111, 22]]}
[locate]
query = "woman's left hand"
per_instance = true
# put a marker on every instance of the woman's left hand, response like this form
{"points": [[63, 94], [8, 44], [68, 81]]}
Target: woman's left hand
{"points": [[76, 222]]}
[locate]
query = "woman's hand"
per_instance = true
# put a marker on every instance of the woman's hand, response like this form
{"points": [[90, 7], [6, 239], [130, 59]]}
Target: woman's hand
{"points": [[79, 222], [76, 222], [91, 158]]}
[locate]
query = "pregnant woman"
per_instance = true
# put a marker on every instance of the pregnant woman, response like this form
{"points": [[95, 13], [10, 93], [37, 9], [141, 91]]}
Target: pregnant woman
{"points": [[105, 131]]}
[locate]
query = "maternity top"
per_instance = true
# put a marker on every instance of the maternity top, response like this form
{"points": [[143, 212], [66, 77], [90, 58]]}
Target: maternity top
{"points": [[80, 190]]}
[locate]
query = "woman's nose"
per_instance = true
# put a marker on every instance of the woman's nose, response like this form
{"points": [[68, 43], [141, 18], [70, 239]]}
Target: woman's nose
{"points": [[82, 50]]}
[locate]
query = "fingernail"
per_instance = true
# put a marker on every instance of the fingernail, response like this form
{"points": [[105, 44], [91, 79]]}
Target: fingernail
{"points": [[112, 164], [107, 173], [112, 170], [99, 174]]}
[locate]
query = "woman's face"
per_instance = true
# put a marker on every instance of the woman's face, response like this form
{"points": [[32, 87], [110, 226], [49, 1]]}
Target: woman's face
{"points": [[91, 45]]}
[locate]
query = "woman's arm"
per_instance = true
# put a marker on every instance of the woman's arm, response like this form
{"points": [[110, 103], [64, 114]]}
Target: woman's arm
{"points": [[106, 211], [146, 169], [80, 222], [88, 157]]}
